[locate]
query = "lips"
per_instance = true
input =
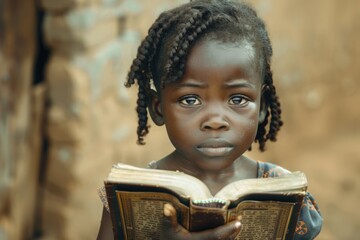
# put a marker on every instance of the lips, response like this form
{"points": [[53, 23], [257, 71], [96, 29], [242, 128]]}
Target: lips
{"points": [[215, 148]]}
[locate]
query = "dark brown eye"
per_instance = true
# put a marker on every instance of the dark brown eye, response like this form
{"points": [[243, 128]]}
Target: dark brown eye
{"points": [[190, 101], [238, 100]]}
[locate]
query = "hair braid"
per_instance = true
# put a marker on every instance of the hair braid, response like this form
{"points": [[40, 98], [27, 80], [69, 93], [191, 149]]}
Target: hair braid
{"points": [[141, 71], [180, 49], [273, 111], [140, 66], [143, 127], [181, 45], [158, 33], [261, 132]]}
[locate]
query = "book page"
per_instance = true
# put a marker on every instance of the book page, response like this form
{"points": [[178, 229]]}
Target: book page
{"points": [[292, 183], [262, 220], [183, 184], [142, 213]]}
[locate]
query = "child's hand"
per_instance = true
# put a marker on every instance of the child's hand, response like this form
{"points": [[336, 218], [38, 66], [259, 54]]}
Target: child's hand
{"points": [[174, 231]]}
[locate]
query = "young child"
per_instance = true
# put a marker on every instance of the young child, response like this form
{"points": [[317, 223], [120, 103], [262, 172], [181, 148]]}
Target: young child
{"points": [[204, 72]]}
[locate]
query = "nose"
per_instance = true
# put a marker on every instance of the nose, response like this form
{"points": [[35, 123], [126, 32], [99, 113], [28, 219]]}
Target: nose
{"points": [[215, 121]]}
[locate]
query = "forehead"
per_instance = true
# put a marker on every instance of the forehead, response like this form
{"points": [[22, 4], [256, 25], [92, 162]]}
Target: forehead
{"points": [[213, 56]]}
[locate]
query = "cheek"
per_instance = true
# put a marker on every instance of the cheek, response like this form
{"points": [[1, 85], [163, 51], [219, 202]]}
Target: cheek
{"points": [[253, 123], [246, 125], [249, 117], [176, 125], [182, 131]]}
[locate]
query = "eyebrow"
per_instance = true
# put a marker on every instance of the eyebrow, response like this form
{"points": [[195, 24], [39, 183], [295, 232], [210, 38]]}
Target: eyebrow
{"points": [[230, 84], [239, 84], [191, 84]]}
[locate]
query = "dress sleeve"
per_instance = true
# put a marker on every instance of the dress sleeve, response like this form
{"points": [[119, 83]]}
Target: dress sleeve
{"points": [[310, 220]]}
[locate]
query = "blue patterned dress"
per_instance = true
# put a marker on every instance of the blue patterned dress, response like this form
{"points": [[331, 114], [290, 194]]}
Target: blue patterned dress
{"points": [[310, 221]]}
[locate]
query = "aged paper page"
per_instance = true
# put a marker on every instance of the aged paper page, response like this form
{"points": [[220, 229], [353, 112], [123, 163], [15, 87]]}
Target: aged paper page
{"points": [[262, 220], [142, 213]]}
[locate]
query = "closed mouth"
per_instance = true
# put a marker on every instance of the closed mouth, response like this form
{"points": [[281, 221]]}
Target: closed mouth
{"points": [[215, 148]]}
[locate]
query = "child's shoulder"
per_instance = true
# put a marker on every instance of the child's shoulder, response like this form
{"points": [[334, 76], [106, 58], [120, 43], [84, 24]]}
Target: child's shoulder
{"points": [[266, 169]]}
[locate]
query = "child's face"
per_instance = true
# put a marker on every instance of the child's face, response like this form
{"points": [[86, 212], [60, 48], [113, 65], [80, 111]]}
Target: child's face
{"points": [[212, 113]]}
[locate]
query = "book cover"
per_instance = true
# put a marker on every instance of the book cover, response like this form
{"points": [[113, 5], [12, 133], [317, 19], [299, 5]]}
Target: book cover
{"points": [[269, 206]]}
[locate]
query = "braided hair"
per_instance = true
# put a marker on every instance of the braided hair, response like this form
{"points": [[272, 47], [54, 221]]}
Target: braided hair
{"points": [[162, 55]]}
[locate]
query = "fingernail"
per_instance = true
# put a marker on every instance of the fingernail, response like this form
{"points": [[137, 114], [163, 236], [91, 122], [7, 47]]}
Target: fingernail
{"points": [[167, 211], [237, 225]]}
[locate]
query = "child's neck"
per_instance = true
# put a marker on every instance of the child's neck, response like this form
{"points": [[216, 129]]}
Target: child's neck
{"points": [[242, 168]]}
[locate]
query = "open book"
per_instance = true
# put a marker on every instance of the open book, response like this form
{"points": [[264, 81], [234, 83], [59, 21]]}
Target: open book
{"points": [[269, 206]]}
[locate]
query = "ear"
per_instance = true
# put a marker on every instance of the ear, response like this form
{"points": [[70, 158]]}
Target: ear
{"points": [[263, 104], [154, 106]]}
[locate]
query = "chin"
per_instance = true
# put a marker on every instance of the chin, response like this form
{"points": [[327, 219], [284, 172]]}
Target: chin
{"points": [[215, 164]]}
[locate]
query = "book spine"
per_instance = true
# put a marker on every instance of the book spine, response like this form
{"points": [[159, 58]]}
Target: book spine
{"points": [[202, 218]]}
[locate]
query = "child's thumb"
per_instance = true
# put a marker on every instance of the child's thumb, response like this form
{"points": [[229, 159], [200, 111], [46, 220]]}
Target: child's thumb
{"points": [[170, 219]]}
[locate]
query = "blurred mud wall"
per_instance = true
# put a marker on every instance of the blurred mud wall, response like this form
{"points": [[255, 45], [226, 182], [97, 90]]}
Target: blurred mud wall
{"points": [[21, 104], [89, 121], [87, 116]]}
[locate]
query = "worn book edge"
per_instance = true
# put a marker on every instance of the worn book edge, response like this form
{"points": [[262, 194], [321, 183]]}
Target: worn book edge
{"points": [[187, 186]]}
